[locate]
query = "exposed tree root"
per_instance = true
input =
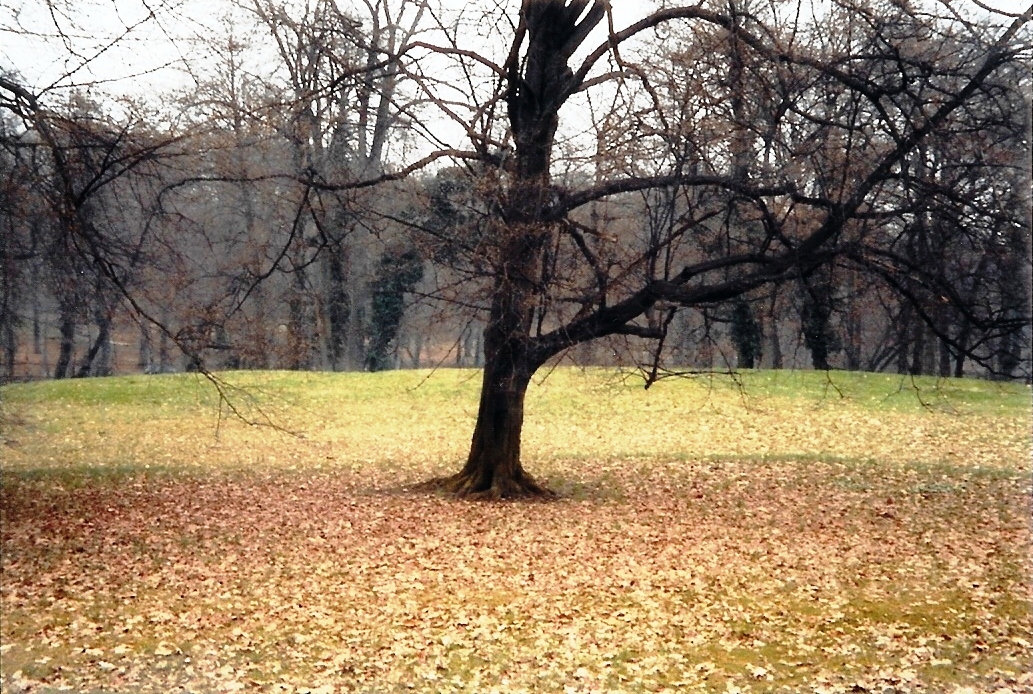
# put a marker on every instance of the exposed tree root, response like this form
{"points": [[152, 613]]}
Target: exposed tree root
{"points": [[465, 486]]}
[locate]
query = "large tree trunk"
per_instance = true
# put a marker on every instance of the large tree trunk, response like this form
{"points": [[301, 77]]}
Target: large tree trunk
{"points": [[537, 88], [493, 469]]}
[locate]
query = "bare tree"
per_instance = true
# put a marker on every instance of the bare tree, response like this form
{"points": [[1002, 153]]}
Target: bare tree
{"points": [[344, 100], [844, 116], [74, 158]]}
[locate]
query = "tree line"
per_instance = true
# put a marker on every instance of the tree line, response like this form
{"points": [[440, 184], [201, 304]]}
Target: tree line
{"points": [[727, 185]]}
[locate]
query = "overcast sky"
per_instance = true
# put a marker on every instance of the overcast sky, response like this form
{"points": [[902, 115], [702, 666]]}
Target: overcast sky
{"points": [[31, 47], [147, 55]]}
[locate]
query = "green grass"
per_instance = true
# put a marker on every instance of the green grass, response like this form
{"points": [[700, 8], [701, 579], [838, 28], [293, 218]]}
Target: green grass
{"points": [[403, 422], [879, 392], [553, 388]]}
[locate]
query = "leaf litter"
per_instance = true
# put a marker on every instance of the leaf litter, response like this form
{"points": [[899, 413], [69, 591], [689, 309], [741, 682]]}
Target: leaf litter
{"points": [[863, 568]]}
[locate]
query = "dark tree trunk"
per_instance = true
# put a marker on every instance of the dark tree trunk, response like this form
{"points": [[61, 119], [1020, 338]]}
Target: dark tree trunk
{"points": [[918, 351], [164, 359], [904, 332], [37, 327], [493, 469], [945, 360], [962, 351], [91, 365], [817, 333], [338, 303], [747, 335], [63, 368], [774, 338], [10, 341]]}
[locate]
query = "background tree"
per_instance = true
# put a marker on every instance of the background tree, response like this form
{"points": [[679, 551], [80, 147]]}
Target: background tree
{"points": [[746, 334], [344, 101], [398, 272], [82, 230]]}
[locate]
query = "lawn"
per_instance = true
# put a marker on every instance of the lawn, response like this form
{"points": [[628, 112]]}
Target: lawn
{"points": [[776, 532]]}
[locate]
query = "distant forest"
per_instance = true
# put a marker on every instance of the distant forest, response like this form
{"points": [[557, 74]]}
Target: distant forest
{"points": [[330, 194]]}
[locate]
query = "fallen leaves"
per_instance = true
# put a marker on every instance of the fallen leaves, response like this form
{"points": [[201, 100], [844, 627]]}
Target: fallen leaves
{"points": [[741, 573], [699, 547]]}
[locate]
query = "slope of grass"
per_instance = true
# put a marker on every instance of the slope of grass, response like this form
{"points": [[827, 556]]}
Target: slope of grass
{"points": [[776, 532]]}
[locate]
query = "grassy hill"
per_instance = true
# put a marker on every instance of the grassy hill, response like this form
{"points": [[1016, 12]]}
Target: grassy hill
{"points": [[777, 531], [421, 422]]}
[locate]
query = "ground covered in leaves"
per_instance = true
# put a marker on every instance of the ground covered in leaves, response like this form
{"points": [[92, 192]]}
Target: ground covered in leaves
{"points": [[780, 535]]}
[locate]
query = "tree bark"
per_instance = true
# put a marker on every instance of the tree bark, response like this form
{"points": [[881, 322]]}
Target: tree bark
{"points": [[63, 368], [537, 88], [493, 469]]}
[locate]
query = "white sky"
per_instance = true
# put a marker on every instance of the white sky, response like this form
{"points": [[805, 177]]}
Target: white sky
{"points": [[128, 52], [116, 47]]}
